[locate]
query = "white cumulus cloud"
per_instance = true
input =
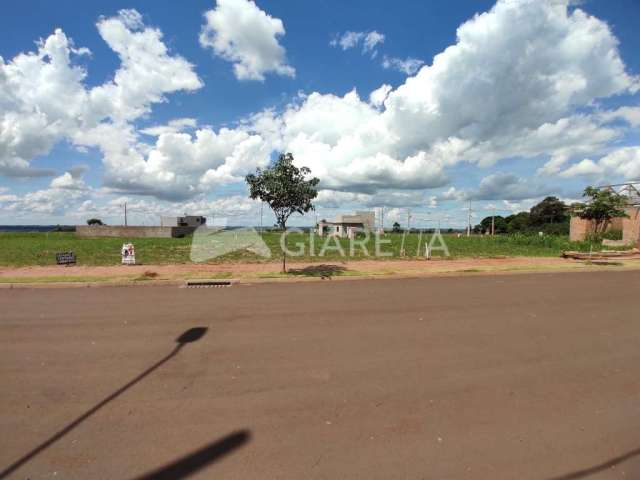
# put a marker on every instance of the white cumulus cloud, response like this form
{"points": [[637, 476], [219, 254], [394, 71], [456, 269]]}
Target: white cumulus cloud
{"points": [[519, 82], [623, 162], [367, 40], [408, 66], [240, 32], [523, 80], [43, 98]]}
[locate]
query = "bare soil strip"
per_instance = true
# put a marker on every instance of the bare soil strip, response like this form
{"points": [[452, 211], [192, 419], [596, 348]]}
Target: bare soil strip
{"points": [[364, 268]]}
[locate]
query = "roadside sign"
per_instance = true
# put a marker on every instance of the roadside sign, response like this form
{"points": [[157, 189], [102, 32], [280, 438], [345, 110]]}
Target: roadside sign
{"points": [[66, 258], [128, 254]]}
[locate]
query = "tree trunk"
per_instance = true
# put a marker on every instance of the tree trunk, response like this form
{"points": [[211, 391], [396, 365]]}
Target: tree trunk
{"points": [[284, 253], [601, 226]]}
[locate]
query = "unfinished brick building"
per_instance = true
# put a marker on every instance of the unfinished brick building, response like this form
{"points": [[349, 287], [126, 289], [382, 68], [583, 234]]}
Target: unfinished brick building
{"points": [[630, 226]]}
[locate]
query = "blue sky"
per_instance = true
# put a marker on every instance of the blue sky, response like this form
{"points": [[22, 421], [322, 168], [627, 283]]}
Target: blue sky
{"points": [[529, 98]]}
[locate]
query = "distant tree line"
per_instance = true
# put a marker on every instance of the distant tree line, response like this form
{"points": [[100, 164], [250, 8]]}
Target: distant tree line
{"points": [[550, 216]]}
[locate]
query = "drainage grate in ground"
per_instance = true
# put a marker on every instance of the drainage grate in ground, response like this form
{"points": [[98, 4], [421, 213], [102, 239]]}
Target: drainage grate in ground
{"points": [[208, 283]]}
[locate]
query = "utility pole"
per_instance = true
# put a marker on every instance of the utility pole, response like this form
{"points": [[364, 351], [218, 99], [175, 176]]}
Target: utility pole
{"points": [[493, 222], [261, 208], [469, 221], [382, 218], [408, 220], [125, 214]]}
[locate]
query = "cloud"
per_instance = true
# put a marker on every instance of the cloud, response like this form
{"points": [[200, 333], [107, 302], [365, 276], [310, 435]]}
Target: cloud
{"points": [[178, 165], [452, 194], [56, 200], [371, 40], [585, 167], [339, 199], [368, 40], [518, 83], [79, 205], [396, 215], [523, 80], [512, 83], [5, 197], [71, 180], [174, 126], [379, 95], [43, 98], [147, 71], [508, 186], [623, 162], [631, 115], [408, 66], [65, 193], [40, 96], [47, 101], [78, 170], [239, 32]]}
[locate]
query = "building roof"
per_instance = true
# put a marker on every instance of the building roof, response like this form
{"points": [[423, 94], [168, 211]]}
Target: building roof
{"points": [[342, 222], [630, 190]]}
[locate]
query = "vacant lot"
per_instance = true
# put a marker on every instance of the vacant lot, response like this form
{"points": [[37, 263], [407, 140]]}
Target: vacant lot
{"points": [[520, 377], [23, 249]]}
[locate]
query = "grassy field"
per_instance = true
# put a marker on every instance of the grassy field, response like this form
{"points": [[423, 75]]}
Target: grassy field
{"points": [[24, 249]]}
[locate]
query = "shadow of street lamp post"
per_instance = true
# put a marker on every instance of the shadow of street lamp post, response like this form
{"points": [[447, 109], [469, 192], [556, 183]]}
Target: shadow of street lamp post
{"points": [[189, 336]]}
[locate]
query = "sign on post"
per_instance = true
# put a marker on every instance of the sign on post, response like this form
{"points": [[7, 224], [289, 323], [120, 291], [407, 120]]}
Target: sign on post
{"points": [[128, 254], [66, 258]]}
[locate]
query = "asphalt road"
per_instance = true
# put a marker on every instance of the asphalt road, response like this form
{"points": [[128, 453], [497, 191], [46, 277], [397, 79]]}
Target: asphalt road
{"points": [[478, 377]]}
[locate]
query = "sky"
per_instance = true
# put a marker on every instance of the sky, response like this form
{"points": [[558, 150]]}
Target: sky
{"points": [[412, 109]]}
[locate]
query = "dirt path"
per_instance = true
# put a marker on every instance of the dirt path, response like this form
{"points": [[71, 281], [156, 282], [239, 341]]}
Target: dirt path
{"points": [[490, 377], [257, 270]]}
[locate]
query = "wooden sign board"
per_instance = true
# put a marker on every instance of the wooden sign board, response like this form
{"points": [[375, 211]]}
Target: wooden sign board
{"points": [[66, 258]]}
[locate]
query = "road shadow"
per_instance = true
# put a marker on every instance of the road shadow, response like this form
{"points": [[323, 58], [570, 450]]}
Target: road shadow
{"points": [[189, 336], [322, 271], [190, 464], [598, 468]]}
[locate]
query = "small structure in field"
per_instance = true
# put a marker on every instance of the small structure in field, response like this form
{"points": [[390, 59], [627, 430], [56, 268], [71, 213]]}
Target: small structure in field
{"points": [[346, 226], [581, 228], [170, 227], [184, 221]]}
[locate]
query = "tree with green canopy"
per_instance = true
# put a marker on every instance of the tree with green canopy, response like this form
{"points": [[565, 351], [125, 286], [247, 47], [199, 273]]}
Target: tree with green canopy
{"points": [[548, 211], [602, 206], [286, 189]]}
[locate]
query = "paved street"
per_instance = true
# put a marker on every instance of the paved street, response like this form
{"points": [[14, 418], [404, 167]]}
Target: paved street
{"points": [[480, 377]]}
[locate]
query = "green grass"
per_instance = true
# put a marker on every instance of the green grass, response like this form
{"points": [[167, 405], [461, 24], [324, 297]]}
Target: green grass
{"points": [[26, 249], [20, 249], [60, 279]]}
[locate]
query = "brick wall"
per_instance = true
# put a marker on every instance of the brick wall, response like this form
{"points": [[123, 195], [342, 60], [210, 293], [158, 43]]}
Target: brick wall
{"points": [[631, 226], [579, 229], [617, 224]]}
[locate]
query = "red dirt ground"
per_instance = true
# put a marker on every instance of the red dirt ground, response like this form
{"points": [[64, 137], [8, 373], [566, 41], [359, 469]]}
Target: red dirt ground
{"points": [[365, 267], [527, 377]]}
